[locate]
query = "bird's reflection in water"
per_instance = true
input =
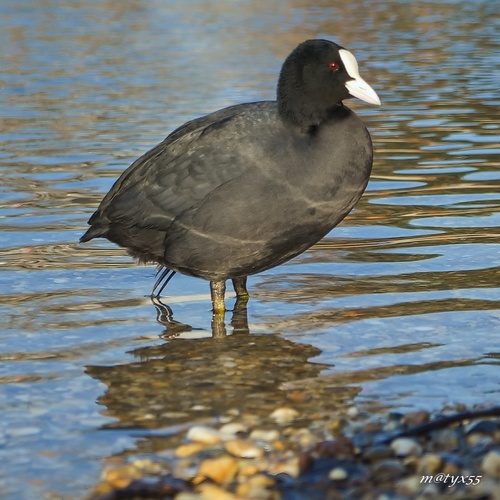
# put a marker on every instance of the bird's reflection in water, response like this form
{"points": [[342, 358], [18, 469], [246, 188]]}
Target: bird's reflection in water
{"points": [[239, 321], [187, 380]]}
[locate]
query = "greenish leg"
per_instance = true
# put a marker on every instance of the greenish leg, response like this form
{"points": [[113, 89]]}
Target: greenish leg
{"points": [[218, 290], [240, 287]]}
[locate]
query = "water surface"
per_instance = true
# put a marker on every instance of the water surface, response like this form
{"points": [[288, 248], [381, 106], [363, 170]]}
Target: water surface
{"points": [[397, 308]]}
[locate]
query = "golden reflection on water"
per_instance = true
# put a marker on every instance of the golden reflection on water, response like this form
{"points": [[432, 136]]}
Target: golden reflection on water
{"points": [[403, 292]]}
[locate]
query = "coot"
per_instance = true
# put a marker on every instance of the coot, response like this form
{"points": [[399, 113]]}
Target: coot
{"points": [[248, 187]]}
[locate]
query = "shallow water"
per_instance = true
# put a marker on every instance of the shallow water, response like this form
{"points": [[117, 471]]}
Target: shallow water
{"points": [[397, 308]]}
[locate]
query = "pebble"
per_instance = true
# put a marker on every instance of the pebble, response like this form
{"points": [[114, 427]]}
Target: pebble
{"points": [[416, 418], [477, 439], [451, 468], [121, 477], [408, 486], [404, 447], [187, 496], [267, 436], [491, 464], [220, 470], [284, 415], [279, 445], [338, 474], [303, 437], [445, 440], [373, 427], [233, 412], [148, 466], [352, 412], [244, 448], [298, 397], [377, 453], [337, 425], [204, 434], [341, 448], [256, 487], [238, 460], [231, 429], [387, 470], [392, 425], [430, 464], [213, 492], [429, 491], [291, 467], [189, 449], [248, 469]]}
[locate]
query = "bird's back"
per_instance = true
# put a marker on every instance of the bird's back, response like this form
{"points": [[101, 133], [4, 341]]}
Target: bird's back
{"points": [[237, 191]]}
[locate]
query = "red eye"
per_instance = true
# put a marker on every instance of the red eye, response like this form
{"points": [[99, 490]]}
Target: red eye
{"points": [[333, 66]]}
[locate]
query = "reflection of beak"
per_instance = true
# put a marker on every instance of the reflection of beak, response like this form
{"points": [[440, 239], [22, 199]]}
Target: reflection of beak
{"points": [[357, 87], [360, 89]]}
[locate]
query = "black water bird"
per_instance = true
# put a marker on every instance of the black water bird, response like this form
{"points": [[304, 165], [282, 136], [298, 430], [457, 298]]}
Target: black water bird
{"points": [[248, 187]]}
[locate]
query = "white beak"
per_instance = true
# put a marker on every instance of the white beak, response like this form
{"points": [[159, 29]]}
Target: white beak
{"points": [[357, 87]]}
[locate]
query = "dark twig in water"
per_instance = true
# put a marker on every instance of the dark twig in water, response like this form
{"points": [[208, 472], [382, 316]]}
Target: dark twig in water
{"points": [[439, 423]]}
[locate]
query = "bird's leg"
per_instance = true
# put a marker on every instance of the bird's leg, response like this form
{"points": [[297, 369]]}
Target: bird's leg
{"points": [[240, 287], [218, 290]]}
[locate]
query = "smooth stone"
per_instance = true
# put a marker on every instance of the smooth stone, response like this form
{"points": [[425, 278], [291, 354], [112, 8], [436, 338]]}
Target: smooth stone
{"points": [[408, 486], [373, 427], [265, 435], [248, 469], [491, 464], [303, 437], [338, 474], [231, 429], [256, 487], [198, 407], [377, 453], [290, 467], [416, 418], [352, 412], [445, 439], [428, 492], [187, 496], [387, 470], [430, 463], [148, 466], [284, 415], [404, 447], [341, 448], [337, 425], [451, 468], [121, 477], [213, 492], [204, 434], [243, 448], [478, 439], [189, 449], [220, 470]]}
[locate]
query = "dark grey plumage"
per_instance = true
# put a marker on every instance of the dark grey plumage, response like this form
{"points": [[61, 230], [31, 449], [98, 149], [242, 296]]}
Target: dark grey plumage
{"points": [[250, 186]]}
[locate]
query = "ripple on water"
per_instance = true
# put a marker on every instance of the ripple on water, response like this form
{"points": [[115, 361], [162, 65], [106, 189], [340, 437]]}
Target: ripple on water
{"points": [[397, 307]]}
